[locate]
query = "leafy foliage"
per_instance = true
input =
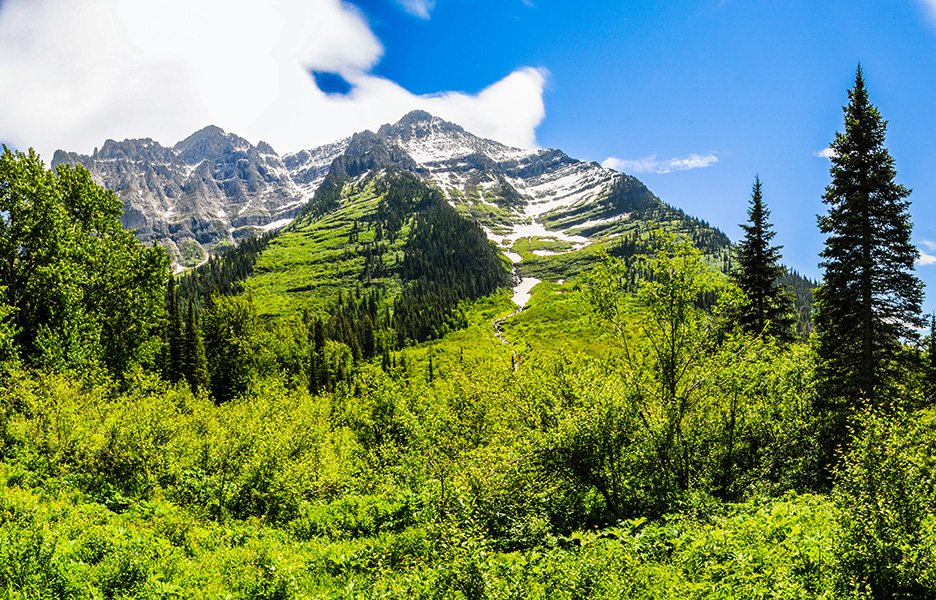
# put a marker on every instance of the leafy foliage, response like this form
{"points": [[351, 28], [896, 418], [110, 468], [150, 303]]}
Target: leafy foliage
{"points": [[84, 292], [886, 491]]}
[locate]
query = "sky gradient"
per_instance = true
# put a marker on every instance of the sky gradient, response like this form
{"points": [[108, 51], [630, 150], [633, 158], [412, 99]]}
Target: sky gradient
{"points": [[694, 98]]}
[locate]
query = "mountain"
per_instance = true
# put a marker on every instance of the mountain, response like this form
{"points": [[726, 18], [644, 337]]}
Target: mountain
{"points": [[213, 188], [548, 213], [513, 193], [207, 192]]}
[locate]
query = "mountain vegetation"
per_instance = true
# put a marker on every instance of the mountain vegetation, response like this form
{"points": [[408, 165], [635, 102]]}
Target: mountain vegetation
{"points": [[757, 273], [869, 304], [354, 407]]}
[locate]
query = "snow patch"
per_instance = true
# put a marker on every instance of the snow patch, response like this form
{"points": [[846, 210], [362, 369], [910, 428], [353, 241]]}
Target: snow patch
{"points": [[594, 222], [522, 290], [513, 256], [276, 224], [534, 229]]}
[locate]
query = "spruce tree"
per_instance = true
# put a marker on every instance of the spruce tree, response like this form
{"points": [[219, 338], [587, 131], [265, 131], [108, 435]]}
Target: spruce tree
{"points": [[869, 301], [195, 364], [757, 272], [175, 364], [930, 361], [318, 372]]}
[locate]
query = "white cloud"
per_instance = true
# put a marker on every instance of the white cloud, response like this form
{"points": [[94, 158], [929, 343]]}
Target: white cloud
{"points": [[925, 259], [826, 153], [655, 164], [420, 8], [73, 74]]}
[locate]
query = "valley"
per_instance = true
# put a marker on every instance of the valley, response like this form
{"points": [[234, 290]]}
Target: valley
{"points": [[417, 363]]}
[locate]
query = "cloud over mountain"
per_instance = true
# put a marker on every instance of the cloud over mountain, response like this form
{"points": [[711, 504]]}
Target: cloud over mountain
{"points": [[72, 74], [655, 164]]}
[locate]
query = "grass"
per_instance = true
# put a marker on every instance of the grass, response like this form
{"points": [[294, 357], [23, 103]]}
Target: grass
{"points": [[305, 268]]}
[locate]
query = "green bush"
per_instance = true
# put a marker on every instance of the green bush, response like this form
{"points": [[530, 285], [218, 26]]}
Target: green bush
{"points": [[885, 487]]}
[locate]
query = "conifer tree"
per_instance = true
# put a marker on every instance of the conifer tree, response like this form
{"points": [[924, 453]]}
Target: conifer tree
{"points": [[757, 273], [175, 365], [930, 361], [195, 363], [318, 373], [869, 301]]}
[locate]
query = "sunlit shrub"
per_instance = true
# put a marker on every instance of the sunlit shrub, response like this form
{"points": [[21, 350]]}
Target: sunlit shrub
{"points": [[885, 487]]}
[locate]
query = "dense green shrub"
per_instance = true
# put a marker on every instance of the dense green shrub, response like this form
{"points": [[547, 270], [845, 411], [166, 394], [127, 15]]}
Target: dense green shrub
{"points": [[885, 487]]}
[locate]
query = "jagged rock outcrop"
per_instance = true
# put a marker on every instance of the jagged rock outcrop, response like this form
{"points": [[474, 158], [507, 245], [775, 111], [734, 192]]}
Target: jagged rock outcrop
{"points": [[213, 188], [207, 191]]}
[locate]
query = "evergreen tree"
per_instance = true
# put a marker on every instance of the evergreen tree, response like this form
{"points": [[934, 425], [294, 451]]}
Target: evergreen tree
{"points": [[318, 372], [195, 363], [175, 336], [757, 273], [869, 301], [930, 363]]}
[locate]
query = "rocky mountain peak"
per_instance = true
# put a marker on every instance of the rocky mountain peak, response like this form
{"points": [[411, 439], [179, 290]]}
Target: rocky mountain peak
{"points": [[210, 143], [418, 124]]}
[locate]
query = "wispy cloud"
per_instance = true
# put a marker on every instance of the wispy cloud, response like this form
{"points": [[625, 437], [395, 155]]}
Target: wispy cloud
{"points": [[419, 8], [655, 164], [925, 259], [825, 153], [931, 5], [73, 74]]}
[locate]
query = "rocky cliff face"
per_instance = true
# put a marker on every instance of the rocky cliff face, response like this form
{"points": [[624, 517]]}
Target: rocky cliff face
{"points": [[513, 193], [214, 188], [206, 192]]}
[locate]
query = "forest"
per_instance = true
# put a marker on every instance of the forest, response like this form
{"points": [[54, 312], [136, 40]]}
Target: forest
{"points": [[654, 429]]}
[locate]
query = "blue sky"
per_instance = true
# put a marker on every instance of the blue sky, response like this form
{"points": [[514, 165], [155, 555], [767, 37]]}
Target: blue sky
{"points": [[694, 98], [758, 86]]}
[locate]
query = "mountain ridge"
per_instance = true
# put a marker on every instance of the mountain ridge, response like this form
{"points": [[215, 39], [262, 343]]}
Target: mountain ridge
{"points": [[206, 192], [538, 206]]}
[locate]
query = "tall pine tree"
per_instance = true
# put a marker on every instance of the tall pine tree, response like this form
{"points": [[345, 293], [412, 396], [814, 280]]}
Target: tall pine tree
{"points": [[929, 367], [757, 272], [869, 301], [195, 365], [174, 365]]}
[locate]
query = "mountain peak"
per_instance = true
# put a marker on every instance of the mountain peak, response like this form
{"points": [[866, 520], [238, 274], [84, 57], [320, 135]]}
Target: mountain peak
{"points": [[418, 124], [415, 116], [208, 143]]}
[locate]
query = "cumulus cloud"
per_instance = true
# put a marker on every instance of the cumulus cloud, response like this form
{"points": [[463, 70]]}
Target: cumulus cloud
{"points": [[73, 74], [420, 8], [826, 153], [655, 164]]}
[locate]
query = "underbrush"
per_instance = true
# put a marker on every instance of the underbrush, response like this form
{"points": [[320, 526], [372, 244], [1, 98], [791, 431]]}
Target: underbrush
{"points": [[484, 483]]}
